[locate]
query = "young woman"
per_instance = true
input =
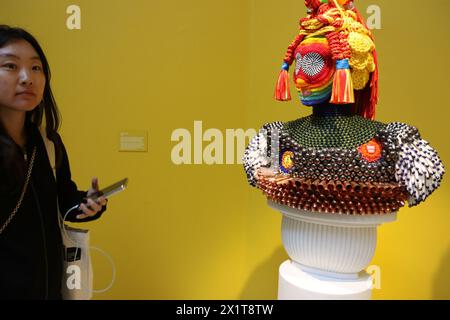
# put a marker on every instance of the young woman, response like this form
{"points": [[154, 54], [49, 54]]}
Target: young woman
{"points": [[31, 250]]}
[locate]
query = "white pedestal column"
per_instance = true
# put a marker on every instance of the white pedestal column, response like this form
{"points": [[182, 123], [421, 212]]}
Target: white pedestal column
{"points": [[295, 283], [328, 254]]}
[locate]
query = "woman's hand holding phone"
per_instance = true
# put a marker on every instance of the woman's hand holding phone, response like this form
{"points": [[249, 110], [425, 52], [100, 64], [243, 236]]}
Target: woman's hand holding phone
{"points": [[92, 207]]}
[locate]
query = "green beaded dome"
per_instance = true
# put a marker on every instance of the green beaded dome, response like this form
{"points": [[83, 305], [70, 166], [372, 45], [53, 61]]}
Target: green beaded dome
{"points": [[340, 131]]}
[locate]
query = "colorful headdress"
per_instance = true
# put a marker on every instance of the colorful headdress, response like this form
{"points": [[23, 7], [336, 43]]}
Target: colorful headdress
{"points": [[335, 58]]}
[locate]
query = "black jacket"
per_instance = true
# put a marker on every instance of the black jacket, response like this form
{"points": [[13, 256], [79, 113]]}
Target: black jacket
{"points": [[31, 251]]}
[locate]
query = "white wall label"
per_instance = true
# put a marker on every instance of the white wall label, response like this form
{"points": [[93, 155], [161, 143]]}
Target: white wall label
{"points": [[135, 141]]}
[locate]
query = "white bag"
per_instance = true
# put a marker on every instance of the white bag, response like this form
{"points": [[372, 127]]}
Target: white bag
{"points": [[77, 279]]}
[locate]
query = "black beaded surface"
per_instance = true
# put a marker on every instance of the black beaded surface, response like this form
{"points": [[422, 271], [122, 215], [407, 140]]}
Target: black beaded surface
{"points": [[339, 163]]}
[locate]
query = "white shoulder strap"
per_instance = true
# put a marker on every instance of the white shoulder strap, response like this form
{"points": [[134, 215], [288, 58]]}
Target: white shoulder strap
{"points": [[50, 146]]}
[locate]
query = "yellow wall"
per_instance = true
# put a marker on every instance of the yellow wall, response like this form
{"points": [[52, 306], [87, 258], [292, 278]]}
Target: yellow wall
{"points": [[198, 231]]}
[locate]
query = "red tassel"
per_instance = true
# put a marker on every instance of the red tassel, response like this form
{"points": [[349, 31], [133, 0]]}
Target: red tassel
{"points": [[342, 87], [374, 89], [282, 90]]}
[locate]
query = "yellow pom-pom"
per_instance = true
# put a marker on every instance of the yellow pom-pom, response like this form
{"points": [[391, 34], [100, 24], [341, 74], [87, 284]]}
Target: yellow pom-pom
{"points": [[361, 60], [370, 63], [358, 61], [360, 43], [360, 78]]}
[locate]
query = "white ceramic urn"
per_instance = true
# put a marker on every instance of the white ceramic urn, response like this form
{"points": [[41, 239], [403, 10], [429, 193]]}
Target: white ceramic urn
{"points": [[328, 253]]}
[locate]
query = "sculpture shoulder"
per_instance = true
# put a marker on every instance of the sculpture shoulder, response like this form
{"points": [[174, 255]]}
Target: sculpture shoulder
{"points": [[257, 153], [398, 133], [418, 167], [272, 125]]}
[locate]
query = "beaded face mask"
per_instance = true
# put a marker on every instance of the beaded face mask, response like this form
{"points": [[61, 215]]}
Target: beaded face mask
{"points": [[314, 70], [335, 59]]}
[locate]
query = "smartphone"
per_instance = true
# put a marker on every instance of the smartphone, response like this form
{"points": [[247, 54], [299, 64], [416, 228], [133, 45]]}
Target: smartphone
{"points": [[110, 190]]}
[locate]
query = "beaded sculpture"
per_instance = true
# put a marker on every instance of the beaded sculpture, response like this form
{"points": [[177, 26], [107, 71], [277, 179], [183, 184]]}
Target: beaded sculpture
{"points": [[339, 160]]}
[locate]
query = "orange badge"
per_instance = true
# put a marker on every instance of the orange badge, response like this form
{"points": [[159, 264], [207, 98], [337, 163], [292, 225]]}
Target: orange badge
{"points": [[371, 151], [287, 161]]}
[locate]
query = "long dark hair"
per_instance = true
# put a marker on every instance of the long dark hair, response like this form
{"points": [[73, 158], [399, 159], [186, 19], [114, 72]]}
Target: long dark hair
{"points": [[48, 105]]}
